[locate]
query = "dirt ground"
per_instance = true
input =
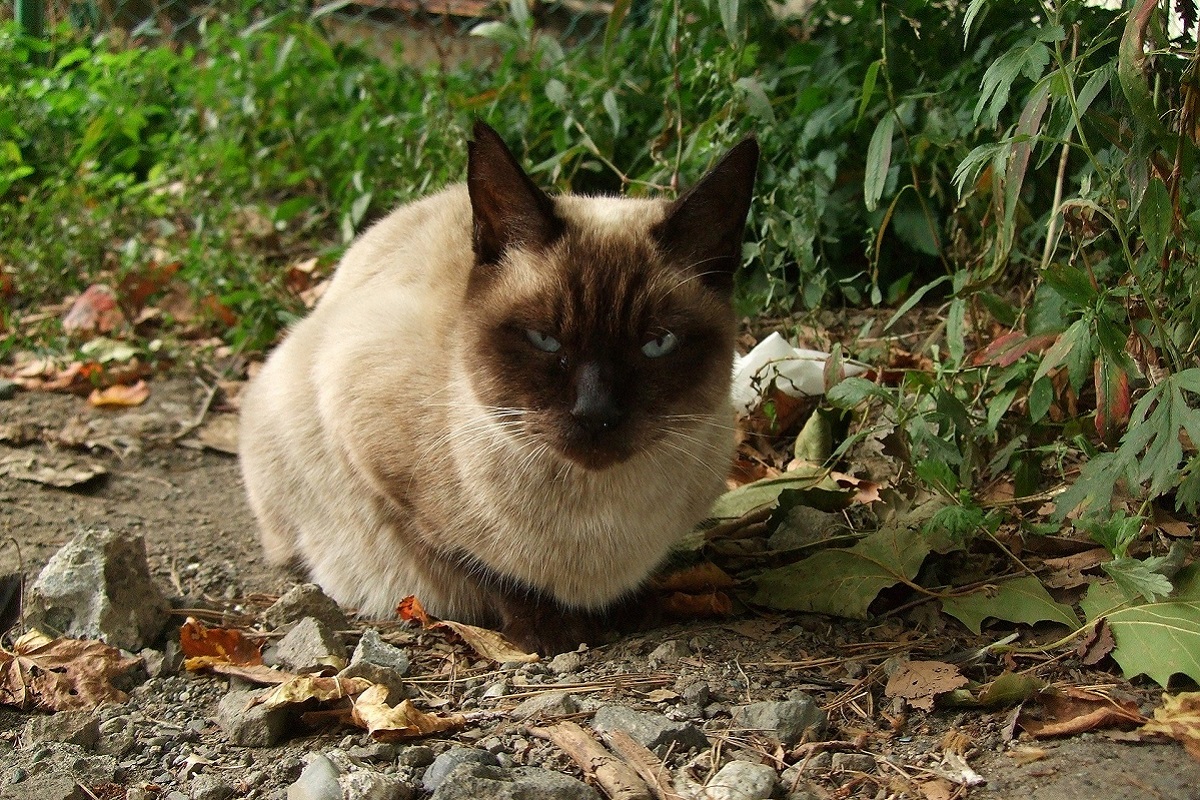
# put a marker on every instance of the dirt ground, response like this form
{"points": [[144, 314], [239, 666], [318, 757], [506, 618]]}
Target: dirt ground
{"points": [[187, 502]]}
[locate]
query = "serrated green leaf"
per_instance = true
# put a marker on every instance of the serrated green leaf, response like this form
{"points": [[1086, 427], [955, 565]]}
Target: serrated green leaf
{"points": [[1136, 578], [1114, 533], [1023, 600], [849, 392], [845, 582], [1155, 639], [1072, 283], [1026, 58], [879, 161]]}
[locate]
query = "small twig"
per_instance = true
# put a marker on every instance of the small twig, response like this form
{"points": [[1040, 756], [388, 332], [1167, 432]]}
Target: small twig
{"points": [[616, 778], [644, 763], [201, 414]]}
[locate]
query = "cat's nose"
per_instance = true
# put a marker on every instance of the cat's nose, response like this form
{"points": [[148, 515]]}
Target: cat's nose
{"points": [[594, 410]]}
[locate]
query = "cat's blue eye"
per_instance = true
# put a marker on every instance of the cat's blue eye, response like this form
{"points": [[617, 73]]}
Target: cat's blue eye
{"points": [[660, 346], [543, 341]]}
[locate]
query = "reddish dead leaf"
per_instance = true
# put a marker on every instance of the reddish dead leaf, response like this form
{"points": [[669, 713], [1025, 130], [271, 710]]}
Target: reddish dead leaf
{"points": [[1068, 572], [120, 395], [1112, 398], [1075, 711], [396, 723], [712, 604], [921, 682], [1008, 349], [214, 308], [703, 577], [300, 276], [203, 646], [61, 674], [136, 288], [1096, 645], [94, 311], [1179, 718], [410, 610]]}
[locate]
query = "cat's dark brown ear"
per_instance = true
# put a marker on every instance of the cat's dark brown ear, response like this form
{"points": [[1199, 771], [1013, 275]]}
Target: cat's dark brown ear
{"points": [[705, 226], [509, 210]]}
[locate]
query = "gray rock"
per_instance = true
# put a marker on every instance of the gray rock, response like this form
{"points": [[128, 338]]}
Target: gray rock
{"points": [[819, 764], [455, 757], [415, 755], [247, 724], [305, 600], [367, 785], [8, 389], [98, 586], [669, 652], [310, 646], [165, 662], [551, 704], [379, 662], [51, 785], [742, 780], [474, 781], [563, 663], [375, 751], [789, 721], [317, 781], [211, 787], [853, 762], [693, 690], [80, 728], [653, 731]]}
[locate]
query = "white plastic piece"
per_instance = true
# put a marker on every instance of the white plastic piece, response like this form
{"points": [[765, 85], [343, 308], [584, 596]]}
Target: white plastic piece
{"points": [[795, 372]]}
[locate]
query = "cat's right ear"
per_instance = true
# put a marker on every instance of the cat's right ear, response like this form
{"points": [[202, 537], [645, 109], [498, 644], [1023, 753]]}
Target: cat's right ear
{"points": [[508, 209]]}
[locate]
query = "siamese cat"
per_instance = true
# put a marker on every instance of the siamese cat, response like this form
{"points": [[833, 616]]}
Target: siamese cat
{"points": [[507, 403]]}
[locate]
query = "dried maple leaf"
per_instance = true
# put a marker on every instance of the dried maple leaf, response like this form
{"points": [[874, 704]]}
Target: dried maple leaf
{"points": [[1075, 711], [920, 682], [120, 395], [204, 646], [488, 643], [395, 723], [410, 610], [61, 674], [1096, 645], [302, 688]]}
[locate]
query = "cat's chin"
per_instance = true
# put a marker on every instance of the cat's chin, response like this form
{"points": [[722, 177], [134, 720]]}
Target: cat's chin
{"points": [[595, 459]]}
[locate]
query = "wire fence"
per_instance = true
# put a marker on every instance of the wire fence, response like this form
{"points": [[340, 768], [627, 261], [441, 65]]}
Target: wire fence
{"points": [[419, 32]]}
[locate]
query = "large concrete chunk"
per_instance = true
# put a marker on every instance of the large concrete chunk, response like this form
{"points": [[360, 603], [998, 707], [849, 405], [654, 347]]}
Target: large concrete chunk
{"points": [[98, 586]]}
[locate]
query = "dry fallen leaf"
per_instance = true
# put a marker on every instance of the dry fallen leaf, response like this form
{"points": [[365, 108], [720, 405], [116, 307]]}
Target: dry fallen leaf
{"points": [[93, 311], [220, 432], [120, 396], [1097, 644], [410, 610], [395, 723], [1179, 718], [712, 604], [60, 472], [488, 643], [60, 674], [696, 579], [1075, 711], [920, 682], [302, 688], [203, 646]]}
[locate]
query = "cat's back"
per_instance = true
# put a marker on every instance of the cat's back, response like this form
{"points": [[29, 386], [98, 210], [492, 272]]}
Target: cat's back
{"points": [[421, 247]]}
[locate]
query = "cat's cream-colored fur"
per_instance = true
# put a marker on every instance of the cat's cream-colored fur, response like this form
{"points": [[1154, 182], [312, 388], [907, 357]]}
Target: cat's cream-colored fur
{"points": [[370, 457]]}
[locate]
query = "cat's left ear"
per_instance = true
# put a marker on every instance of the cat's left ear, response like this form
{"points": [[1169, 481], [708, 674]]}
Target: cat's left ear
{"points": [[705, 226], [508, 209]]}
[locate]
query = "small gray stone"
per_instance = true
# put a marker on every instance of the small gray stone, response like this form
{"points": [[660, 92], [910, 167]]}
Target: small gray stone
{"points": [[8, 389], [317, 781], [165, 662], [80, 728], [819, 764], [550, 704], [566, 662], [305, 600], [415, 755], [379, 662], [693, 690], [309, 647], [98, 586], [474, 781], [367, 785], [497, 689], [211, 787], [789, 721], [742, 780], [653, 731], [444, 764], [375, 751], [669, 652], [853, 762], [247, 724]]}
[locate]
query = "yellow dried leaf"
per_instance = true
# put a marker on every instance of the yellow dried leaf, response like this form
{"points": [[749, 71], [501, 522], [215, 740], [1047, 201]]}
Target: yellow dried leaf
{"points": [[302, 688], [489, 644], [61, 674], [120, 396], [395, 723], [1179, 718]]}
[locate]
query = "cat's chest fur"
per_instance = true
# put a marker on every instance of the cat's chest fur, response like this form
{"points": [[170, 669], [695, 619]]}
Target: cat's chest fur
{"points": [[504, 401]]}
